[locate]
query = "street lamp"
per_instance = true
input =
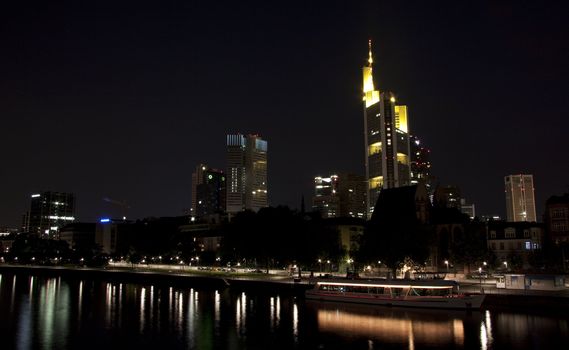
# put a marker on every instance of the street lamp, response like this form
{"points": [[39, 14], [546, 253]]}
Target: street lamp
{"points": [[446, 263], [320, 263], [351, 261], [480, 276], [329, 267], [506, 264]]}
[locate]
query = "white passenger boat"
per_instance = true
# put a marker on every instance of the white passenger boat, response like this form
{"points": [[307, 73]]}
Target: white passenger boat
{"points": [[440, 294]]}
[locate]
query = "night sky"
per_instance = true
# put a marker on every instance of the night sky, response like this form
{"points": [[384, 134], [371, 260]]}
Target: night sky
{"points": [[123, 99]]}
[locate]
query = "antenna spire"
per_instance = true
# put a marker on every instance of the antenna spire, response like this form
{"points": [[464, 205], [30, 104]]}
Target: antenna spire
{"points": [[370, 59]]}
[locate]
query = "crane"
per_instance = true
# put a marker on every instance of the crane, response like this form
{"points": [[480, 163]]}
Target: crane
{"points": [[123, 204]]}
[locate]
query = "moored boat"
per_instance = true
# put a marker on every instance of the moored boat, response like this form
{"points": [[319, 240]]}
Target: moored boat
{"points": [[440, 294]]}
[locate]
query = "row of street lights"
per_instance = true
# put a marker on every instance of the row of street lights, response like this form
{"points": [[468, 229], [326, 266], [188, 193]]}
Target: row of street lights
{"points": [[480, 268]]}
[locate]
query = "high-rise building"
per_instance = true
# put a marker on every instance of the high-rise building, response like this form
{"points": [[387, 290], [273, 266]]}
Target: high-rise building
{"points": [[326, 199], [49, 211], [387, 148], [448, 197], [210, 193], [520, 200], [197, 179], [421, 165], [468, 208], [340, 195], [352, 192], [246, 173]]}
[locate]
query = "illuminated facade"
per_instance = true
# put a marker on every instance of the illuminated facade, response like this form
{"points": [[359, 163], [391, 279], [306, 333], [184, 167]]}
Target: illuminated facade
{"points": [[246, 185], [520, 200], [340, 195], [208, 192], [387, 148], [326, 199], [49, 212]]}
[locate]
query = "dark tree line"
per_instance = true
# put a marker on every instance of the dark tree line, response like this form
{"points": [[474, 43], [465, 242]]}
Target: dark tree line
{"points": [[276, 236]]}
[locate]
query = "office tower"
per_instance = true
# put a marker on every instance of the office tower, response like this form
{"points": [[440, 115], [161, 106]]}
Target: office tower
{"points": [[352, 193], [246, 173], [448, 197], [208, 192], [468, 208], [326, 199], [387, 148], [340, 195], [211, 193], [197, 179], [421, 165], [520, 201], [49, 211]]}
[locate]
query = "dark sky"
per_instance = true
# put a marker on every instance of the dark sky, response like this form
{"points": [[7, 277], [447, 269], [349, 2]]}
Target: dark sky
{"points": [[123, 99]]}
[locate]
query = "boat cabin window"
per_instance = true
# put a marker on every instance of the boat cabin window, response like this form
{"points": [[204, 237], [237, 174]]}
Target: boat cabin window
{"points": [[430, 292], [353, 289]]}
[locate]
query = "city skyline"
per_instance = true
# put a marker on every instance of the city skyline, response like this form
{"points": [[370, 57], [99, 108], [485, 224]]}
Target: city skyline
{"points": [[122, 102]]}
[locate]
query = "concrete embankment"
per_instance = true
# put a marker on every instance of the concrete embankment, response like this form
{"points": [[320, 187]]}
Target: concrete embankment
{"points": [[495, 298], [525, 303], [157, 277]]}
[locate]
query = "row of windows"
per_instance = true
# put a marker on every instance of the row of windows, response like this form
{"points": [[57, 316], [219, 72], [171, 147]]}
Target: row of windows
{"points": [[385, 291], [559, 226], [519, 245], [510, 232], [559, 213]]}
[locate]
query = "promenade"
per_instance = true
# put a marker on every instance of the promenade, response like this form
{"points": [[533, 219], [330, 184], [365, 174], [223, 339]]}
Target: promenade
{"points": [[281, 281]]}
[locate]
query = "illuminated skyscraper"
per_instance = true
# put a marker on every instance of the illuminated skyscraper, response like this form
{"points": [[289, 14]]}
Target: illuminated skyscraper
{"points": [[49, 212], [246, 173], [387, 148], [520, 200]]}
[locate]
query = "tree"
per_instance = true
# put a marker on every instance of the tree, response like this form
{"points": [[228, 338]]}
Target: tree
{"points": [[469, 247], [394, 241]]}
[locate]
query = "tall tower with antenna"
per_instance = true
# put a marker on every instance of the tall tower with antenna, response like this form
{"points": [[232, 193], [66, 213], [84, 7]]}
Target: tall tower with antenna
{"points": [[386, 138]]}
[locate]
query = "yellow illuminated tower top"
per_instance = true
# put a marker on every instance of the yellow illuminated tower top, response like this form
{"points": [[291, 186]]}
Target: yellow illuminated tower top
{"points": [[371, 96]]}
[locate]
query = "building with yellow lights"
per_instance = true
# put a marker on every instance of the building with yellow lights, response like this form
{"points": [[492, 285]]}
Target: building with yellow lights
{"points": [[387, 147], [246, 174]]}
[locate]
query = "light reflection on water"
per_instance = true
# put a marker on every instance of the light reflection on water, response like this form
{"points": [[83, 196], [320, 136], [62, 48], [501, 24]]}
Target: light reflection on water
{"points": [[393, 326], [59, 313]]}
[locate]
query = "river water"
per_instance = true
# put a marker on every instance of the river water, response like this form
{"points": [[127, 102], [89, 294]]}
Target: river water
{"points": [[64, 313]]}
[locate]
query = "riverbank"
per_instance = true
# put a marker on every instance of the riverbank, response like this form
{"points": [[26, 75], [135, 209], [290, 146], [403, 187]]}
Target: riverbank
{"points": [[180, 278], [279, 283]]}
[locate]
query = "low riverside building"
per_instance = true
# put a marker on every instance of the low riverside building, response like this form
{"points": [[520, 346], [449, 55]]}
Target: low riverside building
{"points": [[531, 281], [514, 240]]}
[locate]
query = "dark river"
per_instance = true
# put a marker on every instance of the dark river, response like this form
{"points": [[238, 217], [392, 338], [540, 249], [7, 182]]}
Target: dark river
{"points": [[63, 313]]}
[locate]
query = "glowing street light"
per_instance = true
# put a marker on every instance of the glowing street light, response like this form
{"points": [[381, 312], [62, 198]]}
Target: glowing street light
{"points": [[506, 264], [351, 262], [446, 263]]}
